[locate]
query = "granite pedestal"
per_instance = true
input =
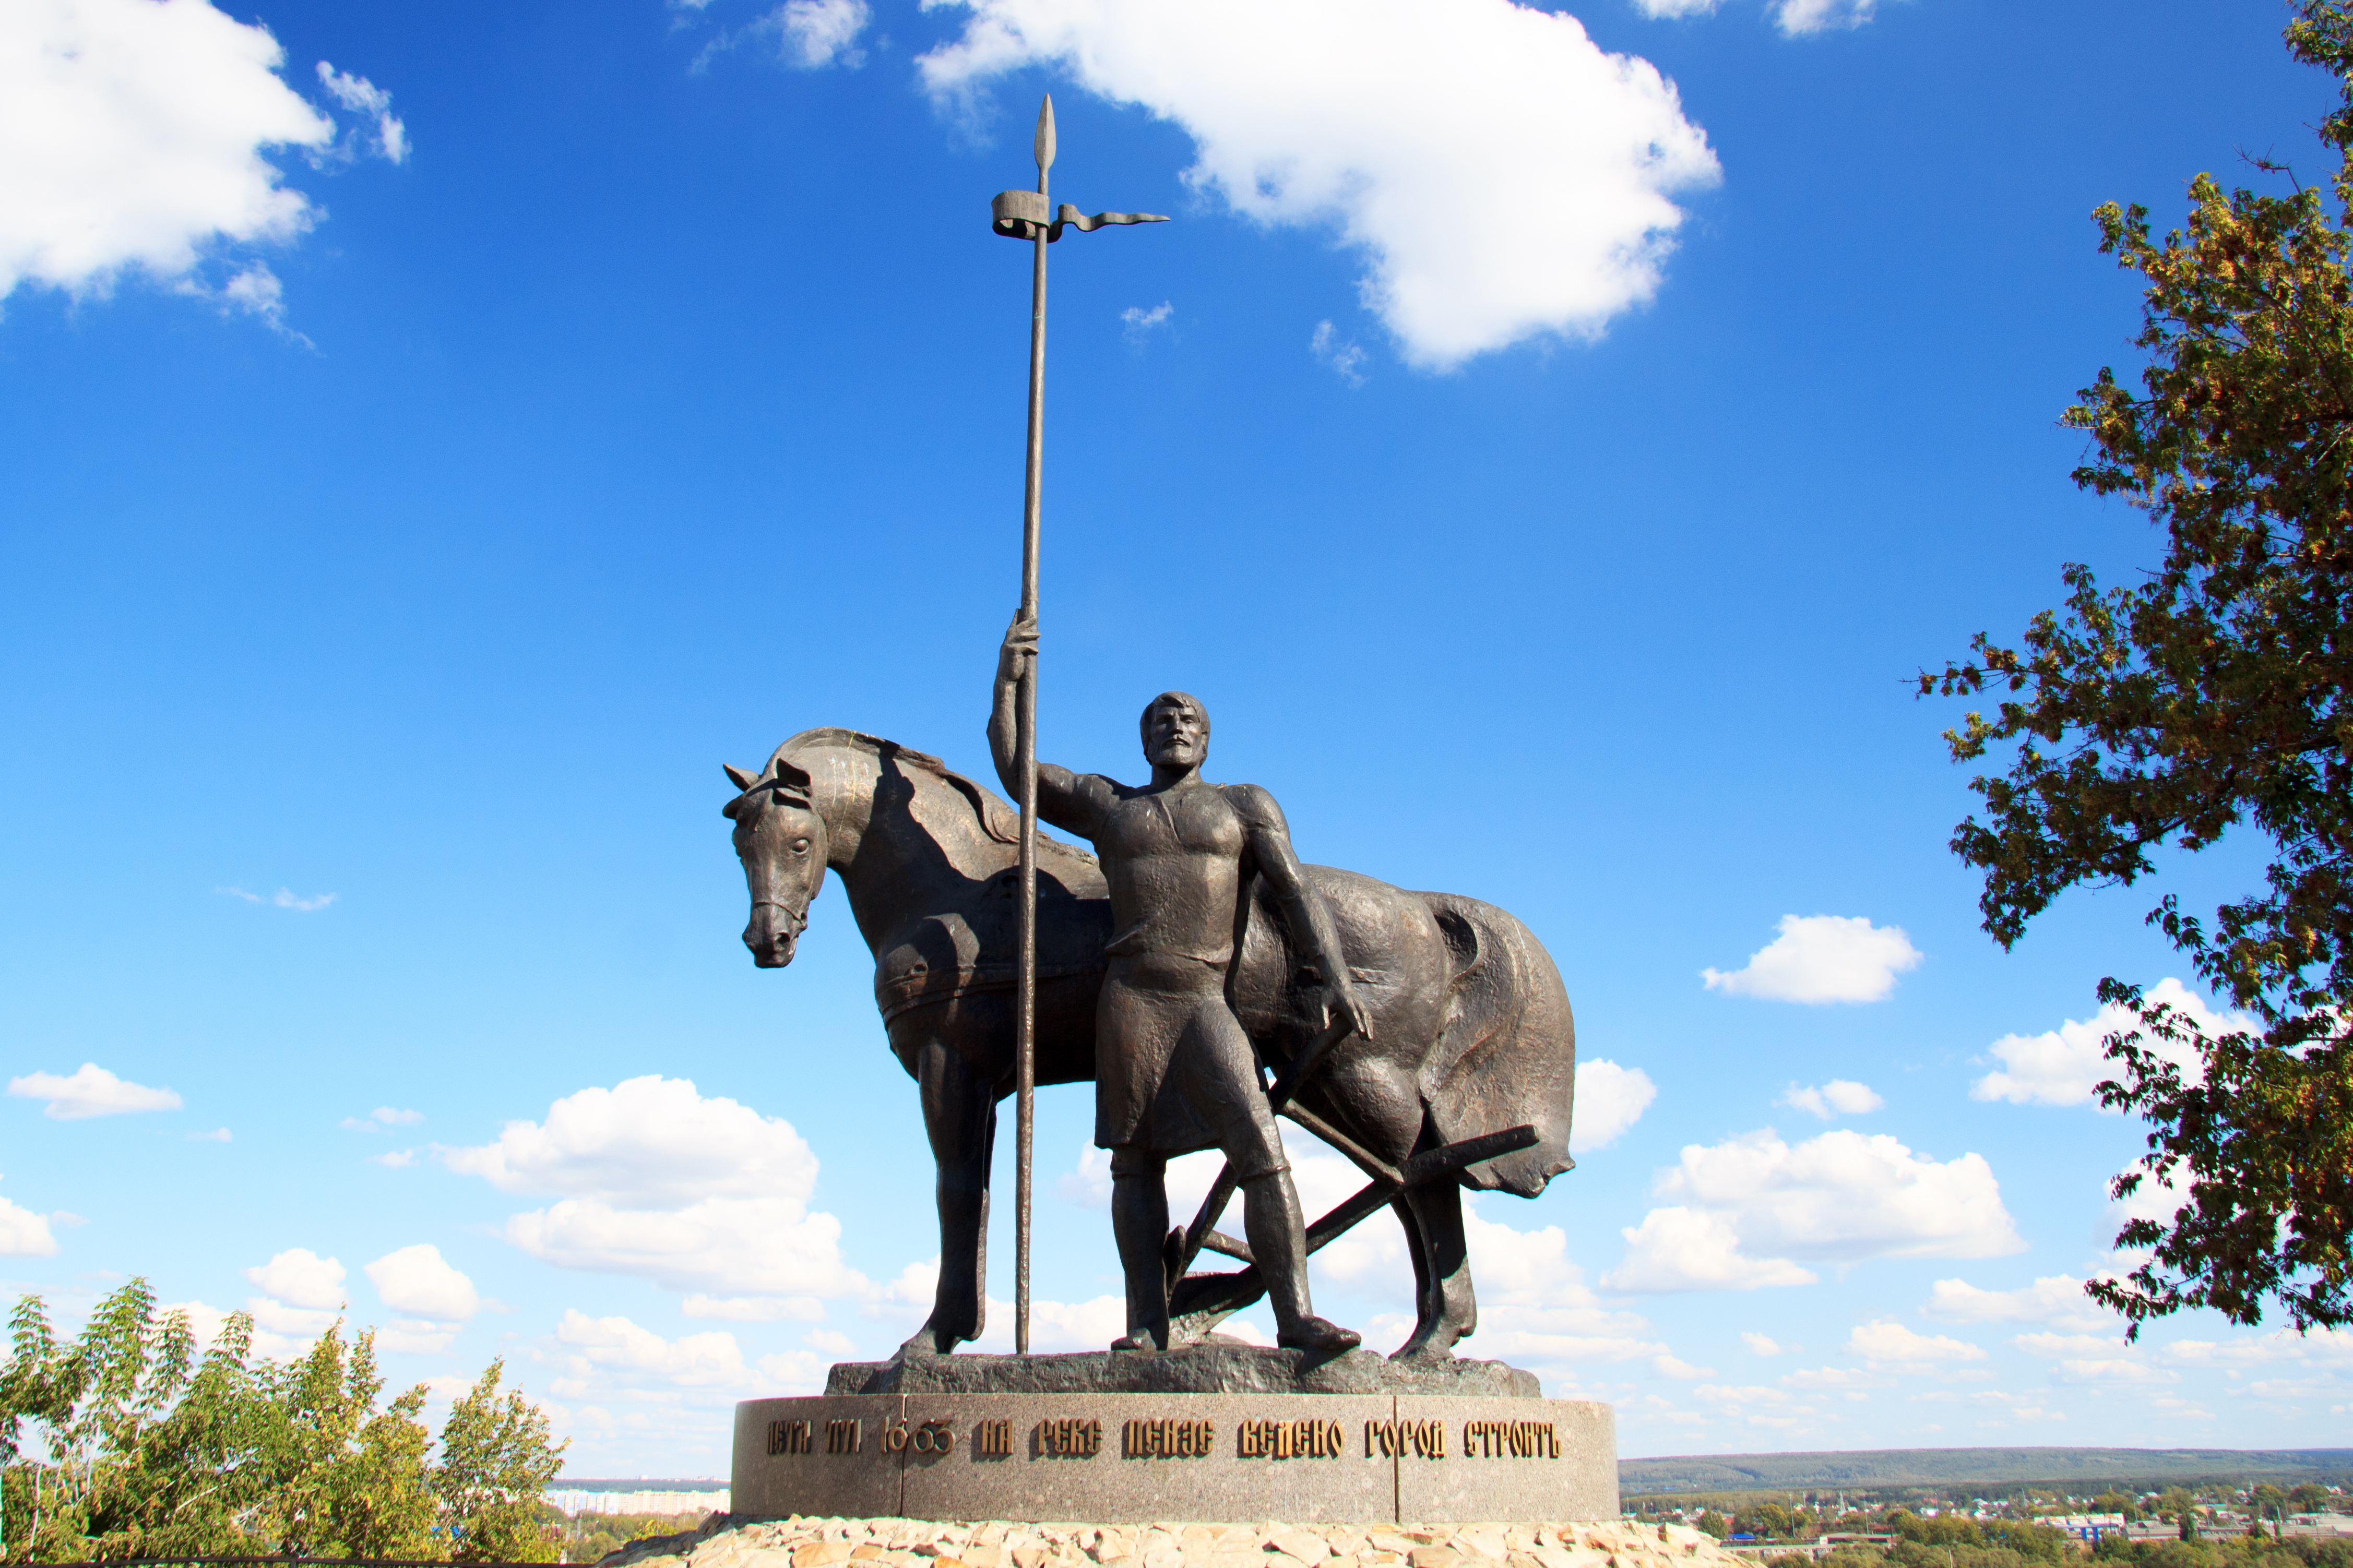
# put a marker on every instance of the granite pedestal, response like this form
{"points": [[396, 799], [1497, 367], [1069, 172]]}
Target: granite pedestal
{"points": [[1207, 1433]]}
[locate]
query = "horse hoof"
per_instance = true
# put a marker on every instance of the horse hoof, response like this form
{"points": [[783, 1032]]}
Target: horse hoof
{"points": [[1136, 1343]]}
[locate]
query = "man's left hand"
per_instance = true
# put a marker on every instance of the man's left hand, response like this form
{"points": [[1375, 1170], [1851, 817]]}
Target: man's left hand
{"points": [[1341, 1001]]}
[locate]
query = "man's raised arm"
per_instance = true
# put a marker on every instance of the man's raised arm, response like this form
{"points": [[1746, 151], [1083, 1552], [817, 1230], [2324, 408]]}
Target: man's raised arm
{"points": [[1062, 796], [1310, 917]]}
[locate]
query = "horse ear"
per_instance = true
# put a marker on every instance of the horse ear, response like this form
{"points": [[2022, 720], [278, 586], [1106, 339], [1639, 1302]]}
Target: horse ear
{"points": [[728, 811], [786, 773], [738, 778]]}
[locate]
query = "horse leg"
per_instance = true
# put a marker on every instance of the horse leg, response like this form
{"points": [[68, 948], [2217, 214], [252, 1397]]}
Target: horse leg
{"points": [[960, 1119], [1446, 1309]]}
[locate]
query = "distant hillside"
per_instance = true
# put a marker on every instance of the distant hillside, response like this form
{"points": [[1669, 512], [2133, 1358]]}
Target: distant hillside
{"points": [[1986, 1467]]}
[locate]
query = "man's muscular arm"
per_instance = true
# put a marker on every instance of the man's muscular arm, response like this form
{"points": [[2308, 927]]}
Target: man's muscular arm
{"points": [[1064, 798], [1310, 917]]}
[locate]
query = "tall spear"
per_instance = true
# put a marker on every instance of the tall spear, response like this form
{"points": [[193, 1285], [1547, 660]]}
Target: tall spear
{"points": [[1025, 215]]}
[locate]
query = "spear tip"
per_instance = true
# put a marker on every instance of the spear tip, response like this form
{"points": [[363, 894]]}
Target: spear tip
{"points": [[1044, 145]]}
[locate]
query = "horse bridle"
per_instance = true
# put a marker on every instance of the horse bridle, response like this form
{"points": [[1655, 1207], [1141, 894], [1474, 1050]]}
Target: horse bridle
{"points": [[798, 917]]}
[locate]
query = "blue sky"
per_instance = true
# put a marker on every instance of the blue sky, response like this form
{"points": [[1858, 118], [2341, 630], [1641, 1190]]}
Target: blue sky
{"points": [[434, 442]]}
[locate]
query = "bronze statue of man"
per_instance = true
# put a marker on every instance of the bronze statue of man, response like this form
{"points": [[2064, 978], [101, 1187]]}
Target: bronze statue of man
{"points": [[1174, 1071]]}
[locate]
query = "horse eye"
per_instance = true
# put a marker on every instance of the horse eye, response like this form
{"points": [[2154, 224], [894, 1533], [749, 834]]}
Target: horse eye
{"points": [[800, 846]]}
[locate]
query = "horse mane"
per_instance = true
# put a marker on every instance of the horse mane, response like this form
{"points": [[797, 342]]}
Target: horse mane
{"points": [[996, 819]]}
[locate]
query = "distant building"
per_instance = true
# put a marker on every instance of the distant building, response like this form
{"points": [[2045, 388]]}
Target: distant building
{"points": [[595, 1499]]}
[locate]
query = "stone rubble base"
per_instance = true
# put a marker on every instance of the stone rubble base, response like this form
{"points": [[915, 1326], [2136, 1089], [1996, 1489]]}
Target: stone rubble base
{"points": [[799, 1542]]}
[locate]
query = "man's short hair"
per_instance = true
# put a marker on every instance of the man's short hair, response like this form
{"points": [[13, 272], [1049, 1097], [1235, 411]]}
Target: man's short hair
{"points": [[1143, 724]]}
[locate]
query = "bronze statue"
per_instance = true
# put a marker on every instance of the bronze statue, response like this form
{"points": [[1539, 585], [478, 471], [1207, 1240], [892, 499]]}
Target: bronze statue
{"points": [[1464, 1080], [1174, 1071]]}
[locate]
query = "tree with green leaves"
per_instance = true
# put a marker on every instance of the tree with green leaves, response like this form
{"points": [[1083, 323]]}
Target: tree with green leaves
{"points": [[122, 1443], [2214, 695]]}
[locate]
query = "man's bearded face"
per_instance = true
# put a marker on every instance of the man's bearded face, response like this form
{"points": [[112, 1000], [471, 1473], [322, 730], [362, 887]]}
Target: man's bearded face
{"points": [[1175, 732]]}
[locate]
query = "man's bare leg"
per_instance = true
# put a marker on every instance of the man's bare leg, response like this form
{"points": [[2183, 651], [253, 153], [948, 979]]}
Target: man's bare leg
{"points": [[1278, 1240], [1139, 1223]]}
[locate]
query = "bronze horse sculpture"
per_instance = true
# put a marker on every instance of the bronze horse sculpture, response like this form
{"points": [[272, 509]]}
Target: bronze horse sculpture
{"points": [[1467, 1080]]}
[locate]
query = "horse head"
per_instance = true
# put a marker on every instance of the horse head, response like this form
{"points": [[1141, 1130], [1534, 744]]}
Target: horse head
{"points": [[780, 838]]}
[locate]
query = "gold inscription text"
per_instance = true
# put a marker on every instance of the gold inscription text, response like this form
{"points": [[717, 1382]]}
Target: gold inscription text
{"points": [[1394, 1439], [1312, 1438], [1168, 1438], [1510, 1440], [1067, 1438]]}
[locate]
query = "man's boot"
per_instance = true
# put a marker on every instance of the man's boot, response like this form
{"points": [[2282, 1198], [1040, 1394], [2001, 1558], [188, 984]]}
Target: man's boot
{"points": [[1139, 1223], [1278, 1240]]}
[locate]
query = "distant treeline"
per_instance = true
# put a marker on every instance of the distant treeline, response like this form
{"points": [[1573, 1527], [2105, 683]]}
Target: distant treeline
{"points": [[1987, 1470]]}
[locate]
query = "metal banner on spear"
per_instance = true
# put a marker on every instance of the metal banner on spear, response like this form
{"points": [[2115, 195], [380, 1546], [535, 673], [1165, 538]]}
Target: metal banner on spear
{"points": [[1025, 215]]}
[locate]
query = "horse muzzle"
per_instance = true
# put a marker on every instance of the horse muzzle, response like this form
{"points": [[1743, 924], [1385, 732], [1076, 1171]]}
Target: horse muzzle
{"points": [[773, 933]]}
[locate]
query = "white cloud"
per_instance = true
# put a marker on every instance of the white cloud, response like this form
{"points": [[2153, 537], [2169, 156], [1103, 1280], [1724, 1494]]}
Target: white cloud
{"points": [[1535, 1307], [1823, 958], [363, 97], [1798, 17], [2319, 1347], [130, 137], [658, 1182], [1885, 1343], [1680, 1248], [2055, 1299], [755, 1309], [415, 1338], [2063, 1065], [813, 34], [1503, 175], [1140, 321], [218, 1135], [89, 1090], [1343, 355], [711, 1359], [258, 295], [418, 1279], [381, 1117], [1795, 19], [394, 1159], [1609, 1100], [301, 1277], [2111, 1369], [1840, 1097], [1759, 1344], [2054, 1347], [296, 1323], [1754, 1203], [24, 1234]]}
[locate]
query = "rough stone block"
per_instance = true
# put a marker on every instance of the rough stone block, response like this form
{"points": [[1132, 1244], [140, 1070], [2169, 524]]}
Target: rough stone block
{"points": [[1508, 1458], [817, 1457]]}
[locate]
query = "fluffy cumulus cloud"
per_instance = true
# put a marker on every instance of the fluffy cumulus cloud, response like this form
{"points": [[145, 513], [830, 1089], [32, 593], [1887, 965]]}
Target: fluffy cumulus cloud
{"points": [[1823, 958], [132, 134], [1840, 1097], [1609, 1100], [2055, 1299], [813, 34], [301, 1277], [1795, 19], [1752, 1206], [418, 1279], [654, 1180], [24, 1234], [89, 1090], [707, 1358], [1503, 175], [1889, 1346], [1683, 1248], [2064, 1066]]}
